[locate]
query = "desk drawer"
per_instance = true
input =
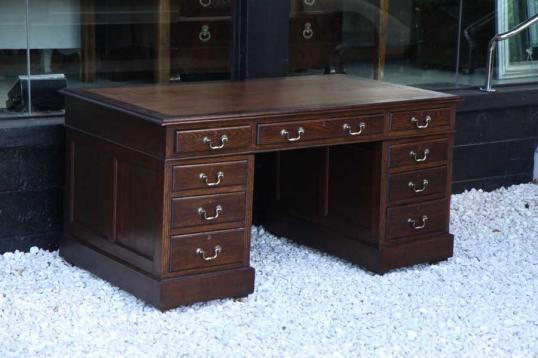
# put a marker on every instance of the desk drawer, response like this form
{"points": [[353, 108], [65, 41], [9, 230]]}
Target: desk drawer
{"points": [[296, 132], [208, 176], [418, 184], [359, 126], [207, 250], [420, 121], [413, 220], [208, 210], [201, 33], [315, 28], [419, 153], [213, 140], [205, 8]]}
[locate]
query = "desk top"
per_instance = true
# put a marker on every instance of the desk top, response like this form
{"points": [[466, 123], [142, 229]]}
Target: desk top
{"points": [[174, 102]]}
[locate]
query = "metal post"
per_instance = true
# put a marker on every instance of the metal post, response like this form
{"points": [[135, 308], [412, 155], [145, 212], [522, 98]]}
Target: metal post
{"points": [[493, 44]]}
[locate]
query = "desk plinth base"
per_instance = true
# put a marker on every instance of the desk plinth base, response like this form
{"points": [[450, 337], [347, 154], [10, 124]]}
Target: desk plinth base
{"points": [[164, 294], [377, 258]]}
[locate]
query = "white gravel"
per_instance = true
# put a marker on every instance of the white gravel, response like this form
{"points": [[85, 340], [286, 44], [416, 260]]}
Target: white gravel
{"points": [[481, 303]]}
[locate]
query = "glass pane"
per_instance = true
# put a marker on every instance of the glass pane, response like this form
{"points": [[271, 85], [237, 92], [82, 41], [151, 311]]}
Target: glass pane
{"points": [[517, 57], [407, 41], [478, 27], [123, 42], [421, 43], [12, 57]]}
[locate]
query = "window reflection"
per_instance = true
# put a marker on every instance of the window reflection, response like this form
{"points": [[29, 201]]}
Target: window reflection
{"points": [[440, 44]]}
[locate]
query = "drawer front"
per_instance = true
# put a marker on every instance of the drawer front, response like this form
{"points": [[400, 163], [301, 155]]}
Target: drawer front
{"points": [[210, 33], [412, 220], [293, 132], [297, 132], [417, 154], [318, 28], [208, 210], [205, 8], [207, 176], [418, 184], [359, 126], [420, 121], [207, 250], [213, 140]]}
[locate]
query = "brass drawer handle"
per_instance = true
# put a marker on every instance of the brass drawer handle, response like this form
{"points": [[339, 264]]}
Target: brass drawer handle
{"points": [[216, 252], [414, 225], [205, 3], [426, 124], [413, 186], [223, 141], [308, 32], [204, 34], [204, 178], [203, 213], [309, 2], [347, 128], [285, 134], [414, 155]]}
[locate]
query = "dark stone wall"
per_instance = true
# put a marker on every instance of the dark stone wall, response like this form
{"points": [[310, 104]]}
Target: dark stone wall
{"points": [[31, 183], [496, 138]]}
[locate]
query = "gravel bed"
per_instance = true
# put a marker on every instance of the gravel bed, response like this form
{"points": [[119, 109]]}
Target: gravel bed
{"points": [[481, 303]]}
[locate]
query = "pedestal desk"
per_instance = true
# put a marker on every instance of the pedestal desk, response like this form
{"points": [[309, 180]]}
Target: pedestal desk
{"points": [[161, 180]]}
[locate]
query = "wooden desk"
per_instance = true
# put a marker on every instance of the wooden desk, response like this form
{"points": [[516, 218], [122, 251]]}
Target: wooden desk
{"points": [[160, 179]]}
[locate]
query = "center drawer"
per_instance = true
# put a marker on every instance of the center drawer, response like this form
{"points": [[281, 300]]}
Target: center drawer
{"points": [[297, 132], [208, 210]]}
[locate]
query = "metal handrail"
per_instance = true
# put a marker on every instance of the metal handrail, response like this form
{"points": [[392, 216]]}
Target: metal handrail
{"points": [[501, 37]]}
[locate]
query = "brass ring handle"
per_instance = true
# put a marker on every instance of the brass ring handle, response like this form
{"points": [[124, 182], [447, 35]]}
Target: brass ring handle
{"points": [[285, 134], [203, 213], [414, 155], [205, 34], [223, 141], [413, 186], [205, 3], [308, 32], [309, 2], [216, 252], [426, 124], [414, 225], [346, 127], [204, 178]]}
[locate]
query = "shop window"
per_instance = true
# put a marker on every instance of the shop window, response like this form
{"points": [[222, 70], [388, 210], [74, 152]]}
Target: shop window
{"points": [[86, 43], [438, 44]]}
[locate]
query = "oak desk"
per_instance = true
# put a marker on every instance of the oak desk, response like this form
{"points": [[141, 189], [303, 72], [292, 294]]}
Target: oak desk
{"points": [[160, 179]]}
